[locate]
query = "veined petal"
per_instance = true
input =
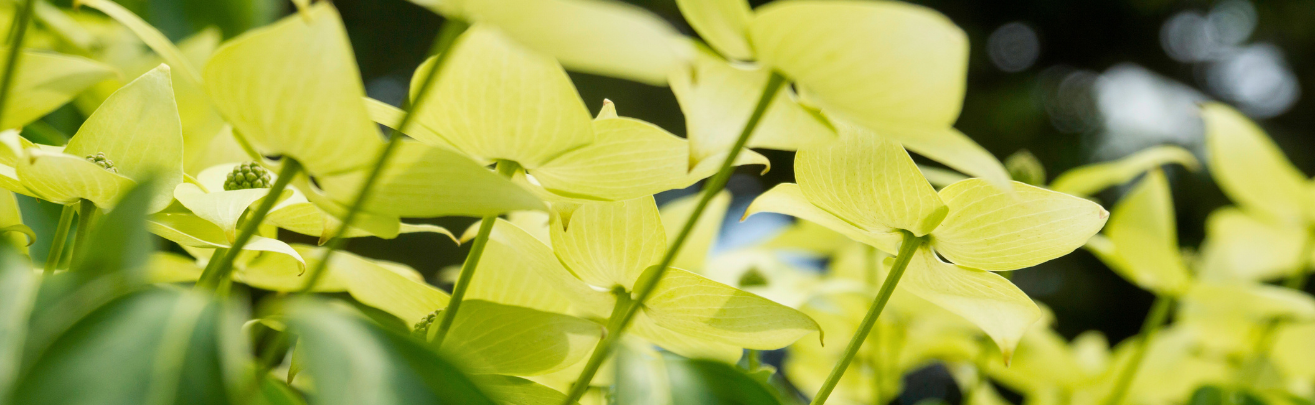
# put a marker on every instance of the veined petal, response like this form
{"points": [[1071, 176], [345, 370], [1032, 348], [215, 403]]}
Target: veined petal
{"points": [[611, 244], [1089, 179], [990, 229], [951, 148], [703, 309], [703, 237], [64, 179], [1242, 246], [424, 181], [521, 270], [293, 89], [723, 23], [872, 62], [495, 338], [223, 207], [987, 300], [138, 129], [718, 97], [869, 181], [43, 81], [603, 37], [1250, 168], [496, 100], [1145, 235], [678, 343], [788, 199]]}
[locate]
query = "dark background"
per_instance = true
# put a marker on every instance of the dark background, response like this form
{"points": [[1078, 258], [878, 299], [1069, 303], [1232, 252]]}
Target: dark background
{"points": [[1109, 77]]}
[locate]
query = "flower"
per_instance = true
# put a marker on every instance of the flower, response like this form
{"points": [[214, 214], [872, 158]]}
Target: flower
{"points": [[869, 189]]}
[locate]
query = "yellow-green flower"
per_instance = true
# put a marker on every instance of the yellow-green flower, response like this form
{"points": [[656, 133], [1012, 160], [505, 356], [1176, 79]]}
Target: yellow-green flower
{"points": [[869, 189]]}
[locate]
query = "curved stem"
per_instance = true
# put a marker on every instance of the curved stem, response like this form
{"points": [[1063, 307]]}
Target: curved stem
{"points": [[86, 215], [1159, 313], [506, 169], [17, 31], [907, 248], [446, 36], [222, 264], [61, 236], [644, 286]]}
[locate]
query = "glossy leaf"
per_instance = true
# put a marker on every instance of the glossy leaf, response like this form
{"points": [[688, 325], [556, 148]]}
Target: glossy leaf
{"points": [[1089, 179], [292, 89], [874, 63], [869, 182], [611, 244], [992, 230], [492, 338], [987, 300], [496, 100], [704, 309]]}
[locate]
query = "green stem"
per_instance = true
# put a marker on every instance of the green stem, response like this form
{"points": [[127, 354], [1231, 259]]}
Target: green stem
{"points": [[61, 236], [753, 360], [18, 30], [1154, 320], [906, 250], [446, 36], [86, 215], [644, 286], [221, 265], [506, 169]]}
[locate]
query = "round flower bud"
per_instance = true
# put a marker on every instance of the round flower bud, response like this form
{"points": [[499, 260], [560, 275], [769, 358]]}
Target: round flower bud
{"points": [[100, 160], [247, 176]]}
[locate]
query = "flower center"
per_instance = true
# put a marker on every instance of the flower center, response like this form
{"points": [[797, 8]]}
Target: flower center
{"points": [[247, 176], [102, 161]]}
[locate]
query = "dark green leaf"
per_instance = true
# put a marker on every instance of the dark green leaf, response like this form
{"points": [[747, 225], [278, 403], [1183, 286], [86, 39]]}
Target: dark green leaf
{"points": [[711, 382]]}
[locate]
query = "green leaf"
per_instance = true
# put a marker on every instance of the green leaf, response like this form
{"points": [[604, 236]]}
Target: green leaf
{"points": [[870, 182], [222, 207], [718, 97], [18, 292], [1250, 169], [169, 267], [1089, 179], [707, 310], [952, 148], [65, 179], [696, 381], [149, 35], [491, 338], [789, 199], [600, 37], [293, 89], [119, 242], [496, 100], [354, 362], [987, 300], [641, 375], [610, 244], [162, 346], [875, 63], [723, 23], [284, 273], [696, 347], [44, 81], [1145, 238], [1239, 245], [992, 230], [306, 218], [700, 241], [1252, 302], [384, 288], [423, 181], [11, 220], [508, 390]]}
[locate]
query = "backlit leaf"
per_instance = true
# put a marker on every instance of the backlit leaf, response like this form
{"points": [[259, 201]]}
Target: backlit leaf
{"points": [[789, 199], [517, 269], [1250, 168], [723, 23], [704, 309], [611, 244], [991, 230], [700, 241], [43, 81], [870, 182], [1145, 237], [1089, 179], [1243, 246], [492, 338]]}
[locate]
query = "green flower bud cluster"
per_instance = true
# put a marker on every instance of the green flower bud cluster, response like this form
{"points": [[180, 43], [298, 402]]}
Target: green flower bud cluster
{"points": [[421, 328], [102, 161], [247, 176]]}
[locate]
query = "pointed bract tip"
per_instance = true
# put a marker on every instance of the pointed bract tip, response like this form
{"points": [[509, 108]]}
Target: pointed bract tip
{"points": [[608, 110]]}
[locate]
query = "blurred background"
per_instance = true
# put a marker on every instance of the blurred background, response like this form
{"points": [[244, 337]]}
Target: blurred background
{"points": [[1073, 82]]}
